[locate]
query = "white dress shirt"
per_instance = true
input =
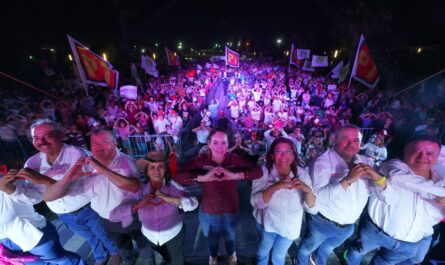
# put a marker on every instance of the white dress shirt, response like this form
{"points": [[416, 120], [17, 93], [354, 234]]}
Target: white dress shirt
{"points": [[283, 214], [19, 221], [105, 196], [334, 202], [161, 221], [67, 157], [412, 211]]}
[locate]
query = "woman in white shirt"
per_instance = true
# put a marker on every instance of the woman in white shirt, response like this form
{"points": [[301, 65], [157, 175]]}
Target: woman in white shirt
{"points": [[279, 198]]}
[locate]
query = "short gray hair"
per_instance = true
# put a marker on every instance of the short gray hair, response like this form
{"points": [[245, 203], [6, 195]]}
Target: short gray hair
{"points": [[39, 122]]}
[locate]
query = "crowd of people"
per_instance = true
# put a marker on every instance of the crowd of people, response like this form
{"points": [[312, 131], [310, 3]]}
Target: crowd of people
{"points": [[290, 132]]}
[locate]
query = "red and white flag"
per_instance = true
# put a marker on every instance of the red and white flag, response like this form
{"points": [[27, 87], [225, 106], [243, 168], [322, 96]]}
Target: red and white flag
{"points": [[93, 69], [364, 69], [232, 58], [172, 58], [293, 58]]}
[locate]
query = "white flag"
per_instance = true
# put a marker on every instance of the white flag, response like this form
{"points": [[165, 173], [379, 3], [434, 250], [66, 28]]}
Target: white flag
{"points": [[149, 66], [319, 61], [336, 71], [307, 66], [303, 54], [344, 73]]}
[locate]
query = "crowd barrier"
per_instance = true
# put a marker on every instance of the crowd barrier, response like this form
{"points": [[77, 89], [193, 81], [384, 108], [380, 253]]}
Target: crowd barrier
{"points": [[138, 145]]}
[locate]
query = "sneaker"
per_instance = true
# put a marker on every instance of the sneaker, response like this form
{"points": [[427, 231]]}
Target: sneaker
{"points": [[213, 261], [115, 259], [312, 259], [232, 260]]}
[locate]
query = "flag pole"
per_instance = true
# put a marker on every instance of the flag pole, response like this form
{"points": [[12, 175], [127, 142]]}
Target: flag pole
{"points": [[76, 61], [27, 84], [354, 67]]}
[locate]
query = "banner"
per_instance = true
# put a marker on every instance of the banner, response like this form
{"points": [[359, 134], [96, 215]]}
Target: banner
{"points": [[93, 69], [319, 61], [344, 73], [129, 92], [149, 66], [307, 66], [364, 69], [303, 54], [293, 58], [232, 58], [172, 58], [336, 70]]}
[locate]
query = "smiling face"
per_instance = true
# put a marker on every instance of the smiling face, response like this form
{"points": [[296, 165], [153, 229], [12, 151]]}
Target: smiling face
{"points": [[347, 143], [283, 155], [218, 145], [47, 139], [156, 171], [103, 146], [421, 156]]}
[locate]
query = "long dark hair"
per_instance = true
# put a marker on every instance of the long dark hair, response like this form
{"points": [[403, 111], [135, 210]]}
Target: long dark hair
{"points": [[269, 155]]}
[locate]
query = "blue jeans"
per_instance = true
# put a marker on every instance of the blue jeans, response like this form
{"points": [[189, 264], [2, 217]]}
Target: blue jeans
{"points": [[321, 235], [88, 224], [215, 225], [268, 241], [48, 249], [392, 251]]}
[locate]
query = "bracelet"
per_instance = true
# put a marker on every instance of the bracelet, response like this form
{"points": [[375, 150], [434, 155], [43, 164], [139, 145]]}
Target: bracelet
{"points": [[381, 181]]}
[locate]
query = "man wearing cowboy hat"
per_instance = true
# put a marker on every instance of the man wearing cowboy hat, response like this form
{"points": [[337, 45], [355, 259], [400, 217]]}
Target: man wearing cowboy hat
{"points": [[112, 178]]}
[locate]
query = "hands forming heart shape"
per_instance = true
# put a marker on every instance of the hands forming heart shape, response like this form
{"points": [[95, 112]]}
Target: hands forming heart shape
{"points": [[220, 175]]}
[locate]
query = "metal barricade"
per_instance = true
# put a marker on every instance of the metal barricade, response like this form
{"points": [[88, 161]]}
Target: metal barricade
{"points": [[366, 134], [138, 145]]}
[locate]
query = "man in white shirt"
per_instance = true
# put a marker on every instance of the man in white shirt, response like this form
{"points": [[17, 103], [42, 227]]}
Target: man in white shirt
{"points": [[22, 229], [114, 180], [340, 178], [50, 165], [160, 124], [401, 223]]}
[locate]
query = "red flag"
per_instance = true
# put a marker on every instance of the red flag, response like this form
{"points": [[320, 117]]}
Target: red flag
{"points": [[92, 68], [364, 70], [293, 58], [3, 169], [232, 58], [172, 58], [190, 73]]}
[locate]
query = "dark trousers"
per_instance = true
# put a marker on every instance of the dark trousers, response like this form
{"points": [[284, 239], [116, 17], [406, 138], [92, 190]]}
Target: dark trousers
{"points": [[124, 237], [172, 251]]}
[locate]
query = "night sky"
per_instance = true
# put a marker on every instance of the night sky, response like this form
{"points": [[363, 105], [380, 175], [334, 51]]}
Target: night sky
{"points": [[27, 26]]}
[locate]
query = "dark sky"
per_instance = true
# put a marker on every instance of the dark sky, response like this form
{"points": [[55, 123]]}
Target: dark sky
{"points": [[26, 26]]}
